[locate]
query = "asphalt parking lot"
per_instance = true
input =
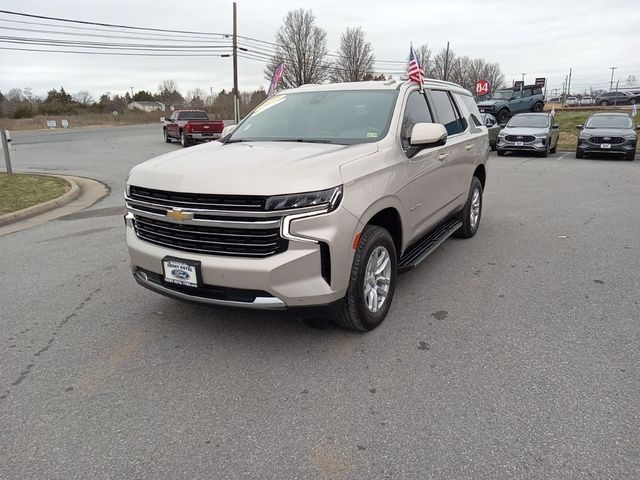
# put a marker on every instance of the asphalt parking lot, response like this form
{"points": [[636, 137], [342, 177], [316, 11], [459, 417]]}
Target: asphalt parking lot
{"points": [[511, 355]]}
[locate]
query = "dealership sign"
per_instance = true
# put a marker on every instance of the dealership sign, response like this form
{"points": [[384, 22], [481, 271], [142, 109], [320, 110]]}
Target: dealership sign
{"points": [[541, 82], [483, 87]]}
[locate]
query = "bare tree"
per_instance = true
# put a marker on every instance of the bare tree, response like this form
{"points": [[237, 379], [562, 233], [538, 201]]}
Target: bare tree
{"points": [[355, 57], [302, 46], [168, 93], [83, 98], [443, 64], [196, 98], [15, 95], [423, 52]]}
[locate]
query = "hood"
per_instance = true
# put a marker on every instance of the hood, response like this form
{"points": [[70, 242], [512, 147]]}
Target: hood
{"points": [[249, 168], [524, 130], [487, 103], [607, 132]]}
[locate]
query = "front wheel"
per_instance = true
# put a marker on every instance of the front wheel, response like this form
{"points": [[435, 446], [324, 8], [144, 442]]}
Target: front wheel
{"points": [[579, 153], [472, 211], [167, 138], [372, 282], [604, 103], [631, 156], [538, 107], [500, 153]]}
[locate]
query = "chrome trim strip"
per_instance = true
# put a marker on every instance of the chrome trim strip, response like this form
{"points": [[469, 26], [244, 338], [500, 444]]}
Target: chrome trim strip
{"points": [[259, 225], [199, 250], [285, 230], [173, 203], [144, 229], [256, 234], [227, 213], [266, 303]]}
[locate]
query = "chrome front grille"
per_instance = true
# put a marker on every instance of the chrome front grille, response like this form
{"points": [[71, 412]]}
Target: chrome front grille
{"points": [[209, 224]]}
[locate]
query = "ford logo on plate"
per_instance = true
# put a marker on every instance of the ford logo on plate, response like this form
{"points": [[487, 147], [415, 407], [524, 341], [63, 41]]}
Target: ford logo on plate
{"points": [[181, 274]]}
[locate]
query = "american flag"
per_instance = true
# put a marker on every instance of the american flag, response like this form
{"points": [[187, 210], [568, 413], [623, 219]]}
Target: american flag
{"points": [[275, 80], [416, 73]]}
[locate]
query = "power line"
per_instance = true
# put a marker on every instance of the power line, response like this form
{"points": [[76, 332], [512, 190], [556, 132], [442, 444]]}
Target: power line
{"points": [[118, 53], [84, 22]]}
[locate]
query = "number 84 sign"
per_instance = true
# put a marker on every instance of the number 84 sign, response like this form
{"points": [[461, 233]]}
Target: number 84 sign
{"points": [[483, 87]]}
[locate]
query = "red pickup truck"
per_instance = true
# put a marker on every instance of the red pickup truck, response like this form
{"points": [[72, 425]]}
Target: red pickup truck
{"points": [[191, 126]]}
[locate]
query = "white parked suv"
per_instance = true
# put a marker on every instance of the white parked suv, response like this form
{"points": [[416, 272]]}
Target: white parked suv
{"points": [[315, 201]]}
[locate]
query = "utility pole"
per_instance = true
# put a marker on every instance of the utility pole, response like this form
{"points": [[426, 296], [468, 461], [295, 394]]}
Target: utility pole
{"points": [[523, 78], [611, 85], [131, 92], [616, 97], [5, 147], [569, 87], [236, 101], [446, 64]]}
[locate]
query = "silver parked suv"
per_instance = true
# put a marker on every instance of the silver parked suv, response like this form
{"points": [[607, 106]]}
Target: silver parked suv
{"points": [[317, 199]]}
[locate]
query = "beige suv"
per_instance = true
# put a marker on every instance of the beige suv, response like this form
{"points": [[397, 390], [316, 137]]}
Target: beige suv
{"points": [[314, 202]]}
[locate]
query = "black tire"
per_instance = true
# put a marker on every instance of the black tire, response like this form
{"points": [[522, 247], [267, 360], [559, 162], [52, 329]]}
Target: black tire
{"points": [[631, 156], [468, 229], [355, 315], [554, 148], [167, 138], [184, 140], [632, 101], [545, 154], [604, 103], [492, 146], [500, 152], [538, 107], [503, 116], [579, 153]]}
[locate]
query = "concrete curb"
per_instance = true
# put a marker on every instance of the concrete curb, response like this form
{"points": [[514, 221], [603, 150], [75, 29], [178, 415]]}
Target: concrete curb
{"points": [[29, 212]]}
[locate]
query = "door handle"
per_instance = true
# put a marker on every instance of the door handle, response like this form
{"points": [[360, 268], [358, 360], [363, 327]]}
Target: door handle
{"points": [[443, 156], [468, 147]]}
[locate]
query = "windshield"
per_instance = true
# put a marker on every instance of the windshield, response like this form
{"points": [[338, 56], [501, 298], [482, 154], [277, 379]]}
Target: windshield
{"points": [[502, 94], [193, 116], [532, 121], [609, 121], [340, 116]]}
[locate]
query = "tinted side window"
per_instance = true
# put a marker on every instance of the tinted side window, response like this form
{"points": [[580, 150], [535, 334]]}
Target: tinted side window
{"points": [[416, 111], [526, 92], [446, 112], [537, 91], [472, 107]]}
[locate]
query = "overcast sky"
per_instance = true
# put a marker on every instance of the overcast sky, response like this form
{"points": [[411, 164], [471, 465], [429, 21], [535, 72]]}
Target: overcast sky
{"points": [[541, 38]]}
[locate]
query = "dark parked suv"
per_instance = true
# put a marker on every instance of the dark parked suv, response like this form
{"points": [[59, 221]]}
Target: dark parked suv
{"points": [[506, 102], [616, 98], [608, 133]]}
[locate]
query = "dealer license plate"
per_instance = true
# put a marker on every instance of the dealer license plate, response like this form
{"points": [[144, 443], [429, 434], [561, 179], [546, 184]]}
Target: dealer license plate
{"points": [[606, 146], [519, 144], [181, 272]]}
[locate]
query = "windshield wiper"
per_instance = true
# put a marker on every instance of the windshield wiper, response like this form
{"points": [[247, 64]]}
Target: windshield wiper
{"points": [[301, 140]]}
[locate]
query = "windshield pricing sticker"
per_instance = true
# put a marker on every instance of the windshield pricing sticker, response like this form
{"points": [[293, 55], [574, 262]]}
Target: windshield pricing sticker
{"points": [[372, 135]]}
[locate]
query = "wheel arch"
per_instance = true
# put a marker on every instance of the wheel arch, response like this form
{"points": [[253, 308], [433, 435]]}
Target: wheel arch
{"points": [[481, 173], [386, 213]]}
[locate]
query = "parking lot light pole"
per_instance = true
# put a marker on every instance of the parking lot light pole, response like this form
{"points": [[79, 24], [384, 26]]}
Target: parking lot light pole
{"points": [[5, 147], [611, 85]]}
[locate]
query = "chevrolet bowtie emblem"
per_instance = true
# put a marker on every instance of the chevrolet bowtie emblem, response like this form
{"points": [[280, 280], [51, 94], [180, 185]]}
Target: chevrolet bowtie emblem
{"points": [[178, 215]]}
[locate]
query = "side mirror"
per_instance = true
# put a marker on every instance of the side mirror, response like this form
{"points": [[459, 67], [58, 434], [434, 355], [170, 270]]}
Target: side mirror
{"points": [[555, 126], [579, 127], [428, 135], [228, 130]]}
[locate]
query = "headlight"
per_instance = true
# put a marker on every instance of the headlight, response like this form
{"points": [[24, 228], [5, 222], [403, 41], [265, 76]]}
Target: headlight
{"points": [[330, 197], [540, 135], [630, 137]]}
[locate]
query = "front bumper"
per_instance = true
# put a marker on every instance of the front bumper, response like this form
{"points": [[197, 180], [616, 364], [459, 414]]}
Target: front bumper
{"points": [[293, 278], [538, 145]]}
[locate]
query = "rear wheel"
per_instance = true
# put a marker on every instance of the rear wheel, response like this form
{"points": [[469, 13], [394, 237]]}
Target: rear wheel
{"points": [[372, 282], [167, 138], [184, 140], [554, 148], [472, 211]]}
